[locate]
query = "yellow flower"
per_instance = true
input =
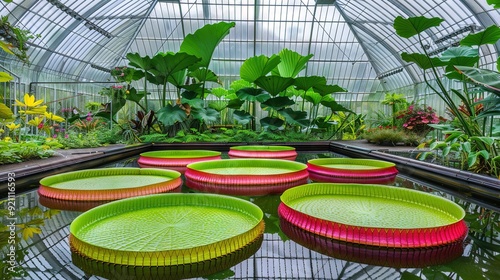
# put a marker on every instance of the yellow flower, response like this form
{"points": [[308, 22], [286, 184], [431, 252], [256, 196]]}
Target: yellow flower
{"points": [[35, 121], [53, 117], [13, 126], [1, 131], [29, 101], [7, 139]]}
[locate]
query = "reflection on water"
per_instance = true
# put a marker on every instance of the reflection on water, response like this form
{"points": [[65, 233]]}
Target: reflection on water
{"points": [[292, 254]]}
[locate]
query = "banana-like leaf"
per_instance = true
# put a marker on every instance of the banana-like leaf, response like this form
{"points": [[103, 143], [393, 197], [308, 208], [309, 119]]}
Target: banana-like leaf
{"points": [[422, 60], [202, 42], [253, 94], [291, 63], [484, 77], [274, 84], [5, 112], [277, 103], [488, 36], [295, 117], [169, 115], [258, 66], [271, 123], [242, 117], [412, 26]]}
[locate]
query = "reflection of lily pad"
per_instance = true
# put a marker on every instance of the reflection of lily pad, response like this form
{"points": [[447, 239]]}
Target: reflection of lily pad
{"points": [[263, 151], [365, 214], [175, 235], [108, 183]]}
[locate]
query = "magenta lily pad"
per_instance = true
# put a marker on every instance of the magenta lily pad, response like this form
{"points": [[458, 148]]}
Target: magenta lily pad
{"points": [[375, 215], [351, 170], [245, 176]]}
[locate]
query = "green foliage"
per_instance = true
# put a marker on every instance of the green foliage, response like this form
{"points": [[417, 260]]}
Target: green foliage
{"points": [[28, 224], [19, 152], [389, 136]]}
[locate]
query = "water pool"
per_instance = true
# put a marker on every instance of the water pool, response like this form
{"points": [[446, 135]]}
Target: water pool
{"points": [[47, 255]]}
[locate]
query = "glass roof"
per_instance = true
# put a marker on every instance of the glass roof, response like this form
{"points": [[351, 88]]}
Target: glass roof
{"points": [[353, 42]]}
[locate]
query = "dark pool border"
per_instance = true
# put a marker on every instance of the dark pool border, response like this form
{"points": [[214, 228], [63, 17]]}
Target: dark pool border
{"points": [[470, 184]]}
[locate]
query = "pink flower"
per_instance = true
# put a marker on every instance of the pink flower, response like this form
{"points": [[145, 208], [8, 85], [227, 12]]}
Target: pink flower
{"points": [[66, 136]]}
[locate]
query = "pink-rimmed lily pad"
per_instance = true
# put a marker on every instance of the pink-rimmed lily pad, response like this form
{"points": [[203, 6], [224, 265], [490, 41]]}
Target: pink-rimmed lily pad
{"points": [[375, 215], [262, 151], [245, 176], [107, 184], [351, 170], [374, 255], [175, 159]]}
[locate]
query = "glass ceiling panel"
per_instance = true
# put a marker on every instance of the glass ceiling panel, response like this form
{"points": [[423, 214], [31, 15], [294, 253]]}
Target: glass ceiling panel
{"points": [[353, 42]]}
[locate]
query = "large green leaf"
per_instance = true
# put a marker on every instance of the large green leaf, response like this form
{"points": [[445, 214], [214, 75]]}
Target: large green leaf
{"points": [[165, 64], [242, 117], [258, 66], [277, 103], [412, 26], [207, 115], [218, 105], [202, 42], [291, 63], [204, 75], [318, 83], [494, 3], [5, 77], [422, 60], [488, 36], [484, 77], [295, 117], [141, 62], [271, 123], [5, 112], [219, 92], [134, 96], [235, 103], [169, 115], [274, 84], [313, 97], [459, 52], [334, 106], [252, 94]]}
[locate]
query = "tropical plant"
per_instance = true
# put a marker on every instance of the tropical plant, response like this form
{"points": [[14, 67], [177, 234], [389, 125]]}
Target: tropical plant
{"points": [[416, 118], [19, 225], [458, 63], [397, 102]]}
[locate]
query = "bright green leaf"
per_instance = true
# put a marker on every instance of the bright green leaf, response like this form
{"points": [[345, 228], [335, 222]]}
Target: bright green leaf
{"points": [[422, 60], [29, 232], [242, 117], [274, 84], [258, 66], [488, 36], [252, 94], [295, 117], [409, 27], [5, 77], [5, 112], [291, 63], [169, 115]]}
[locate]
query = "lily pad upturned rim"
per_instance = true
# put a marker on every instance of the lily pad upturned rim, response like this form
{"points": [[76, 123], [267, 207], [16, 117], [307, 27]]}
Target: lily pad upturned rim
{"points": [[377, 164], [263, 148], [173, 154], [108, 192], [180, 256], [454, 229]]}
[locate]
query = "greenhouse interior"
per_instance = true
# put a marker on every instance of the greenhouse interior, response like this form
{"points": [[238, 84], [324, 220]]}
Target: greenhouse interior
{"points": [[292, 139]]}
